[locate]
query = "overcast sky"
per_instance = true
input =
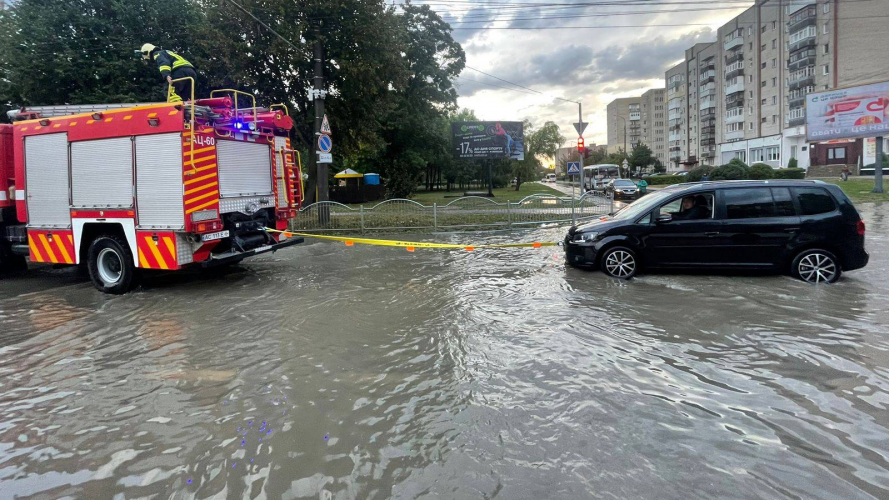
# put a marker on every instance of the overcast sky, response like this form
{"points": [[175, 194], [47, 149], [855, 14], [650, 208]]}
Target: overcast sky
{"points": [[593, 66]]}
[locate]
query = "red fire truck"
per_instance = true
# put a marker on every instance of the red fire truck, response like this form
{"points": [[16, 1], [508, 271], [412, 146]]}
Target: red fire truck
{"points": [[121, 188]]}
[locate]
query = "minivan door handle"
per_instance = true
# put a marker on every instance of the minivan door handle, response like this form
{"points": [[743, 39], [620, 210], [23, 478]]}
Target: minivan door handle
{"points": [[711, 233], [791, 229]]}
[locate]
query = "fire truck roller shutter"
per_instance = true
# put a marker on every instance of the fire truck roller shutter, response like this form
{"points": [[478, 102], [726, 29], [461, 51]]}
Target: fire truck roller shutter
{"points": [[244, 169], [46, 179], [280, 174], [159, 181], [102, 173]]}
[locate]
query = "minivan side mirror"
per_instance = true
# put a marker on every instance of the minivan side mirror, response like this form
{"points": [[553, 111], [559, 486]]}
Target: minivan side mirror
{"points": [[664, 218]]}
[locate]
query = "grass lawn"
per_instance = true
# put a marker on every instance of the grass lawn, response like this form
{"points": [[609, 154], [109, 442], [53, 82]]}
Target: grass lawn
{"points": [[500, 195], [859, 190]]}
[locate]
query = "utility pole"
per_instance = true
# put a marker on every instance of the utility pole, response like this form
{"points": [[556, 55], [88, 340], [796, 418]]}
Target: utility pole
{"points": [[490, 178], [318, 94], [580, 120], [878, 167]]}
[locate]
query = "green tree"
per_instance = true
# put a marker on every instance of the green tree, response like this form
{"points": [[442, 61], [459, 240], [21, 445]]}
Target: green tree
{"points": [[761, 171], [540, 143], [641, 158]]}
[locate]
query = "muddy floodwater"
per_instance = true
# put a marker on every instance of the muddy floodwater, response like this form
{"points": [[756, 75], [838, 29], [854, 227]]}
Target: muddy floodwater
{"points": [[328, 371]]}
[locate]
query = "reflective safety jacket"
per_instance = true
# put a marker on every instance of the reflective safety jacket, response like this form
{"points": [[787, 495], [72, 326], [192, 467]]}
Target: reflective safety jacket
{"points": [[167, 61]]}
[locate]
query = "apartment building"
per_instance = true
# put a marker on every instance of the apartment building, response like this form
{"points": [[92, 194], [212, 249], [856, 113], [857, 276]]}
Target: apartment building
{"points": [[677, 123], [778, 51], [624, 123], [632, 120], [654, 123]]}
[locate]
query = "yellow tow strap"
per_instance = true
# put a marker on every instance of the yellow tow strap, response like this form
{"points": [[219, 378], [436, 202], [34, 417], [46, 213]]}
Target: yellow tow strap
{"points": [[410, 246]]}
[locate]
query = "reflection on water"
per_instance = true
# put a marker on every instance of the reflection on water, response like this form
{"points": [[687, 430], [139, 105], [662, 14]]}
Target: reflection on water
{"points": [[337, 372]]}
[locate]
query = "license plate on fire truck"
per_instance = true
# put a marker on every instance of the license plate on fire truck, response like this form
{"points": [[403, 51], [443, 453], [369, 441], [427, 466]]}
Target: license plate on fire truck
{"points": [[214, 236]]}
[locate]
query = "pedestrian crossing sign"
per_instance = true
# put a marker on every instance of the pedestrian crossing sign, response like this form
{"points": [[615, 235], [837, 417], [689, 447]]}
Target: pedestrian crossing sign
{"points": [[325, 126], [573, 168]]}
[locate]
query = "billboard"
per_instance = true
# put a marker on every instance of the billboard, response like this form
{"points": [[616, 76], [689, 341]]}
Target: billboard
{"points": [[476, 140], [849, 113]]}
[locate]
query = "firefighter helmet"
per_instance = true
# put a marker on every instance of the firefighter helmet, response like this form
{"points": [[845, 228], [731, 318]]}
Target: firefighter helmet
{"points": [[146, 50]]}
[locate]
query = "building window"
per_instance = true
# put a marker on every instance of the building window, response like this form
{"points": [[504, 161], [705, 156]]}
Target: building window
{"points": [[774, 63], [749, 30], [763, 83], [773, 153], [774, 25], [763, 119], [774, 118], [763, 30], [763, 48], [774, 81], [763, 65], [826, 48], [751, 44], [763, 102], [775, 43], [825, 69], [836, 153], [826, 8], [750, 126], [774, 99], [824, 29]]}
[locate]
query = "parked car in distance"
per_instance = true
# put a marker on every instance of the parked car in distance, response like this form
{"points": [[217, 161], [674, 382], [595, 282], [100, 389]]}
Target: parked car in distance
{"points": [[808, 229], [622, 189], [682, 173], [550, 178]]}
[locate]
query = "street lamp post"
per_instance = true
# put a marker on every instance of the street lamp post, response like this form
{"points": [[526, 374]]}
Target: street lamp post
{"points": [[625, 131]]}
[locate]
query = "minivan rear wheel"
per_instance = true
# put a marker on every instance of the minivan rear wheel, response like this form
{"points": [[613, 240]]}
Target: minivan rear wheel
{"points": [[619, 262], [816, 266]]}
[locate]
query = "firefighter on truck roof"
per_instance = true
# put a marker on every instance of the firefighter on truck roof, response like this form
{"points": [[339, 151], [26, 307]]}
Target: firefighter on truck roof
{"points": [[173, 67]]}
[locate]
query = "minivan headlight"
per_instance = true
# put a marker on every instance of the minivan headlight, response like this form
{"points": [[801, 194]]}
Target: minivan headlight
{"points": [[585, 237]]}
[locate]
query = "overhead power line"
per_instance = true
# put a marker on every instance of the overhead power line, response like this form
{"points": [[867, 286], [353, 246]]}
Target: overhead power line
{"points": [[521, 86]]}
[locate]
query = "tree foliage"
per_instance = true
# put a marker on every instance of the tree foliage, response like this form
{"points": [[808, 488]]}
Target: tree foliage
{"points": [[641, 158], [761, 171], [544, 142], [388, 72]]}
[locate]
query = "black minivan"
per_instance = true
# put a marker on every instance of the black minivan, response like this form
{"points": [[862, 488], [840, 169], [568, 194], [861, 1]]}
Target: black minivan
{"points": [[809, 229]]}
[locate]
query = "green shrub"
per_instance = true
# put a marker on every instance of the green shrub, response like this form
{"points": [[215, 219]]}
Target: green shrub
{"points": [[761, 171], [695, 174], [731, 171], [664, 180], [792, 163], [737, 162], [789, 173]]}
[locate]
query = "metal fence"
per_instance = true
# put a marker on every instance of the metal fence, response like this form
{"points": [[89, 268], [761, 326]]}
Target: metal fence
{"points": [[467, 213]]}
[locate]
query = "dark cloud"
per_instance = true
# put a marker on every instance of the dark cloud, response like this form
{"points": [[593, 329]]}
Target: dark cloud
{"points": [[646, 60], [581, 65]]}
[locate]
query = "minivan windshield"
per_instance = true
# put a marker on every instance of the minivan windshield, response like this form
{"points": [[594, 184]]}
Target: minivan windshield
{"points": [[639, 207]]}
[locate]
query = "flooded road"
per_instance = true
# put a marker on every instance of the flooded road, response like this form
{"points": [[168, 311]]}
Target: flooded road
{"points": [[328, 371]]}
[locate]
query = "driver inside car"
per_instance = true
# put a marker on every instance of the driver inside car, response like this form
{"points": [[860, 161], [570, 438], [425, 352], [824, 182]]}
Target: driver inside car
{"points": [[693, 208]]}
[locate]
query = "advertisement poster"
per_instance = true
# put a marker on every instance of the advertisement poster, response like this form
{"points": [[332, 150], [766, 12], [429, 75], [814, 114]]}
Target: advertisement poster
{"points": [[850, 113], [479, 140]]}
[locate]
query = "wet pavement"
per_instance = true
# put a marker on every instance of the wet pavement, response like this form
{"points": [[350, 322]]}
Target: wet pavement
{"points": [[328, 371]]}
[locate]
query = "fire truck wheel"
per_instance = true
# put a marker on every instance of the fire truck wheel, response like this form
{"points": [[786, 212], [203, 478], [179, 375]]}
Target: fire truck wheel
{"points": [[111, 265]]}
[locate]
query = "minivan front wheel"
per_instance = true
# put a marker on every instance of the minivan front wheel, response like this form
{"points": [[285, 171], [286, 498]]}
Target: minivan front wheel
{"points": [[619, 262], [816, 266]]}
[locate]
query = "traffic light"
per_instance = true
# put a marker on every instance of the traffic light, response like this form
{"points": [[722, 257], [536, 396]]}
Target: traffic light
{"points": [[580, 145]]}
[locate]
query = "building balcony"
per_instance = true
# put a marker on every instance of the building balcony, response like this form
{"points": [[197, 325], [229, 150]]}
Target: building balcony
{"points": [[797, 102], [708, 104], [802, 62], [805, 81], [734, 57], [737, 135], [710, 141], [708, 76], [802, 19], [635, 115], [708, 130], [737, 87], [801, 44], [734, 118], [734, 42], [796, 122], [734, 100], [734, 73], [674, 114], [675, 84]]}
